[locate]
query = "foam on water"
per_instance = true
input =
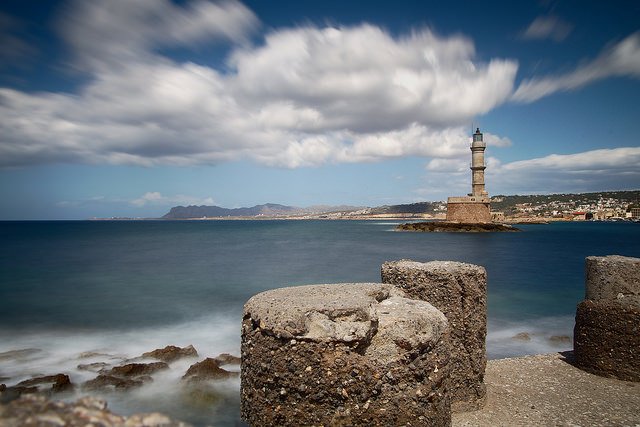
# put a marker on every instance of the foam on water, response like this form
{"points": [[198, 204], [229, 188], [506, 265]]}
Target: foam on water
{"points": [[519, 338]]}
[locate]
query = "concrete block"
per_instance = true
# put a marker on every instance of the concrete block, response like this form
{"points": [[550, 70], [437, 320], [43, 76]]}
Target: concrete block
{"points": [[612, 277], [607, 339], [348, 354], [459, 290]]}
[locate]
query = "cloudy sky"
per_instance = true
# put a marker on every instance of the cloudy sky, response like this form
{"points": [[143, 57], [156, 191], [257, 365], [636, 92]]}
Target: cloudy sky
{"points": [[126, 108]]}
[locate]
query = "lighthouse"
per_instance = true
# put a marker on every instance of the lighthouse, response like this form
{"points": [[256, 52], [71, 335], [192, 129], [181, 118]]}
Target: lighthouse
{"points": [[475, 207], [477, 165]]}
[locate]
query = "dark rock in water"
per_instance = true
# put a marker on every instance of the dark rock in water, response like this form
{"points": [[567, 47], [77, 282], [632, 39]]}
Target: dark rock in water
{"points": [[171, 353], [522, 336], [90, 354], [33, 410], [137, 369], [59, 382], [19, 354], [208, 369], [560, 339], [227, 359], [48, 384], [199, 394], [7, 394], [93, 367], [455, 227], [125, 376], [105, 382]]}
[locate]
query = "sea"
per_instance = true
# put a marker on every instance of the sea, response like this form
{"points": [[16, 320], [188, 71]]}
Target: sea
{"points": [[81, 292]]}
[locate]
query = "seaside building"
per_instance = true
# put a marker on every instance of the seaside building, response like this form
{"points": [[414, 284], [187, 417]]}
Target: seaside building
{"points": [[476, 206]]}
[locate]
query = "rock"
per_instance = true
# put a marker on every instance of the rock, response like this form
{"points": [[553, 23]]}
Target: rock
{"points": [[521, 336], [227, 359], [560, 339], [208, 369], [125, 377], [93, 367], [19, 354], [33, 410], [8, 394], [348, 354], [171, 353], [137, 369], [455, 227], [47, 384], [109, 382], [459, 291], [91, 354], [59, 382]]}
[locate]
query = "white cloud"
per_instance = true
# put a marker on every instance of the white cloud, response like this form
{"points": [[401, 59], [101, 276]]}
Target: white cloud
{"points": [[306, 96], [596, 169], [595, 160], [106, 33], [621, 59], [548, 27]]}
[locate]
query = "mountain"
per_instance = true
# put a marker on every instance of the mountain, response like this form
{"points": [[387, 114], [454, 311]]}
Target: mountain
{"points": [[187, 212]]}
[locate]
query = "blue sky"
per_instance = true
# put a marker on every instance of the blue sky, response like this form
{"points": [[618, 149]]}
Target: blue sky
{"points": [[126, 108]]}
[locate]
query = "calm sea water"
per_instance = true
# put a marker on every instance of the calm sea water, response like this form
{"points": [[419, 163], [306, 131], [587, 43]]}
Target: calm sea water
{"points": [[119, 289]]}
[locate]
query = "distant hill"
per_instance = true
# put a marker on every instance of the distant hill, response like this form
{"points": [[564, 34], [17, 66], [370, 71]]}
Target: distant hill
{"points": [[186, 212], [269, 209]]}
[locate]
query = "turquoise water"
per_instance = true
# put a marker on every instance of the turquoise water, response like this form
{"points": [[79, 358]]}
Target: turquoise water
{"points": [[123, 288]]}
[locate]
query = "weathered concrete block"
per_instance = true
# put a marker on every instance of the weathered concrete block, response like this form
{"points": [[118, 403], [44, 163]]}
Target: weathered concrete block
{"points": [[349, 354], [612, 277], [459, 290], [607, 339]]}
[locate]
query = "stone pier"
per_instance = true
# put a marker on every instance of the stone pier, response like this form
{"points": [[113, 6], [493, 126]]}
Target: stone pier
{"points": [[347, 354], [607, 331], [459, 290]]}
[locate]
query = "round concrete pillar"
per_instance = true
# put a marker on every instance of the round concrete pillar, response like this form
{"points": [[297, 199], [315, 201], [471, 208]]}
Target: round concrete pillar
{"points": [[459, 290], [347, 354], [606, 336]]}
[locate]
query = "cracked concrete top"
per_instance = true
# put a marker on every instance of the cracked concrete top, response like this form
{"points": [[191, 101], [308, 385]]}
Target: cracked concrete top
{"points": [[346, 312]]}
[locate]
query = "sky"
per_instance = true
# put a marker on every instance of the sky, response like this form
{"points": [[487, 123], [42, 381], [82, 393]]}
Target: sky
{"points": [[127, 108]]}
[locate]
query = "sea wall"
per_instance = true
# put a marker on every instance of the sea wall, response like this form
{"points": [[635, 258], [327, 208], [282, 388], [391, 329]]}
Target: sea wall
{"points": [[607, 329], [459, 290], [348, 354], [468, 210]]}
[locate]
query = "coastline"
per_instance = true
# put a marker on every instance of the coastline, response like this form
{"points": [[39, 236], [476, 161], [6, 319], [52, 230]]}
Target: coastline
{"points": [[543, 389]]}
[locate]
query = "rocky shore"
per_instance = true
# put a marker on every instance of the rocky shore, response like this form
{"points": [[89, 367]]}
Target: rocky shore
{"points": [[533, 390], [47, 399], [455, 227]]}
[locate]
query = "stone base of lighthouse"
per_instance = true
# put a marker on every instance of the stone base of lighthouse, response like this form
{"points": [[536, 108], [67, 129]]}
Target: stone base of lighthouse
{"points": [[469, 209]]}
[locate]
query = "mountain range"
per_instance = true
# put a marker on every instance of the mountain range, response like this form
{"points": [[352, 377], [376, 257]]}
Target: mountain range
{"points": [[268, 209]]}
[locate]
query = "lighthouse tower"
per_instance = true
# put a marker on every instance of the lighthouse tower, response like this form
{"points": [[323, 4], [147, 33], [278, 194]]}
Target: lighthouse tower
{"points": [[474, 208], [477, 165]]}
